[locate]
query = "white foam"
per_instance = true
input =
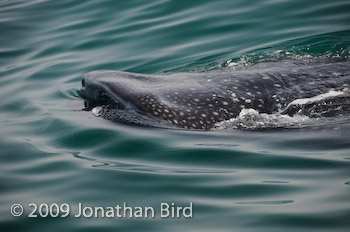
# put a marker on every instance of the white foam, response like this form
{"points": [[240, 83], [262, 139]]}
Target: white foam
{"points": [[97, 111], [304, 101], [250, 119]]}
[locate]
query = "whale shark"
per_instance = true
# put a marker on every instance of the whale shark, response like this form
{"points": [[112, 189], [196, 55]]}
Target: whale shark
{"points": [[204, 99]]}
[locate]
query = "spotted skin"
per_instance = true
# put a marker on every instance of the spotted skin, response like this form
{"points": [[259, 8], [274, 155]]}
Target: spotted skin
{"points": [[200, 100]]}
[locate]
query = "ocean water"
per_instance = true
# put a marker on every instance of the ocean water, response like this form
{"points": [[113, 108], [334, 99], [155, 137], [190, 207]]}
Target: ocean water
{"points": [[53, 152]]}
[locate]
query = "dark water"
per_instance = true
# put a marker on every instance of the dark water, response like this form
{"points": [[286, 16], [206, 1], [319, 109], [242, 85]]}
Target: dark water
{"points": [[295, 179]]}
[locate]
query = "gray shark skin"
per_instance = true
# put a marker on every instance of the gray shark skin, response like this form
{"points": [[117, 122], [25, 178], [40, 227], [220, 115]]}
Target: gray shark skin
{"points": [[201, 100]]}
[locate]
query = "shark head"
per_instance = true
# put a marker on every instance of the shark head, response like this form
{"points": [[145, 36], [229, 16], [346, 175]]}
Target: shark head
{"points": [[180, 100]]}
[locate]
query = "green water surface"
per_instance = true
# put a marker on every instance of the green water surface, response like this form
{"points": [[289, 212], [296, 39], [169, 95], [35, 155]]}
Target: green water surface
{"points": [[51, 151]]}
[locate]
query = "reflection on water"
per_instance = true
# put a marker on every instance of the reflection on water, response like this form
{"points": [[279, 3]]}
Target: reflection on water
{"points": [[53, 152]]}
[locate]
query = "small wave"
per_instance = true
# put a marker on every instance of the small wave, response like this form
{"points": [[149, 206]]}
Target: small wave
{"points": [[323, 109], [285, 58], [265, 202], [299, 51], [330, 104], [317, 98], [250, 119]]}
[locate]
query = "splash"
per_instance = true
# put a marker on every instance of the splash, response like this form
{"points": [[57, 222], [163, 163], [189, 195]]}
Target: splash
{"points": [[250, 119], [315, 108]]}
